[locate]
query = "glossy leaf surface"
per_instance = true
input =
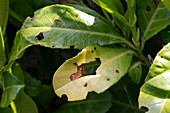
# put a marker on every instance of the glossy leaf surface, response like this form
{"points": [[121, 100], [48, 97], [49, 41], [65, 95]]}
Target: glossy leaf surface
{"points": [[152, 18], [167, 4], [60, 26], [155, 93], [10, 88], [24, 104], [114, 64], [95, 103]]}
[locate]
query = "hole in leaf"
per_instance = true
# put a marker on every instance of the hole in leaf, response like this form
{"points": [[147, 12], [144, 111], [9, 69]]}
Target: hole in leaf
{"points": [[40, 36], [58, 22], [85, 69], [72, 47], [53, 46], [85, 85], [161, 56], [64, 97], [117, 71], [92, 51], [144, 109], [148, 8]]}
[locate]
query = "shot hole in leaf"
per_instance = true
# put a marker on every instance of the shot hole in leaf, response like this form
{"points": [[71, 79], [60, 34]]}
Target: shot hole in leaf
{"points": [[58, 22], [40, 36], [117, 71], [72, 47], [64, 97], [53, 46], [143, 108], [92, 51], [161, 56], [148, 8], [85, 85], [95, 48], [108, 79]]}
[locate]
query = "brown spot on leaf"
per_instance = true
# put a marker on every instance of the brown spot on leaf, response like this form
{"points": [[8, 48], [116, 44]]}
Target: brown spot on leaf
{"points": [[58, 22], [48, 38], [117, 71], [76, 15], [85, 85], [40, 36], [31, 19]]}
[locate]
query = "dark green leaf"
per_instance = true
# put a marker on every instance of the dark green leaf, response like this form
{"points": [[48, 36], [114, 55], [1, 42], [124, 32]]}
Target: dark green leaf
{"points": [[95, 103], [125, 96], [155, 93], [24, 104], [135, 71], [165, 35], [2, 50], [32, 86], [19, 10], [60, 26], [4, 11], [6, 110], [17, 71], [11, 87], [152, 18]]}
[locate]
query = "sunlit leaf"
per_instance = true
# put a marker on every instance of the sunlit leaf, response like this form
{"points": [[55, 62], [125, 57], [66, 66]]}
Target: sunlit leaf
{"points": [[152, 17], [167, 4], [115, 62], [155, 93], [2, 49], [60, 26]]}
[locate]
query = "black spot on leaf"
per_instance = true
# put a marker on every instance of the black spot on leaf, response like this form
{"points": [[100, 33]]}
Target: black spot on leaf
{"points": [[161, 56], [40, 36], [148, 8], [108, 79], [58, 22], [92, 51], [85, 85], [95, 48], [117, 71]]}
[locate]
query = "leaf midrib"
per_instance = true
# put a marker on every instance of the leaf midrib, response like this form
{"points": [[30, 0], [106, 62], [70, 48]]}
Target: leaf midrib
{"points": [[74, 30]]}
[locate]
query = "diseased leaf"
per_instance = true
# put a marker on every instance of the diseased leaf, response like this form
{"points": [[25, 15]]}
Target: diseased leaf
{"points": [[167, 4], [95, 103], [135, 71], [152, 18], [24, 104], [11, 87], [115, 62], [155, 93], [4, 11], [60, 26]]}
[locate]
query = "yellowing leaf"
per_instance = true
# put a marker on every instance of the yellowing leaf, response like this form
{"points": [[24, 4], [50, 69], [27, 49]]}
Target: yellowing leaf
{"points": [[115, 62]]}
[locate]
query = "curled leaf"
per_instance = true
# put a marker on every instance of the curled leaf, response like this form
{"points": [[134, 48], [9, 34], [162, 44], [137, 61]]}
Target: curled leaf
{"points": [[114, 65]]}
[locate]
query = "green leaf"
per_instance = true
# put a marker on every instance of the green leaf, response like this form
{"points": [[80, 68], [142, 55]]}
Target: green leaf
{"points": [[135, 71], [17, 71], [115, 62], [167, 4], [60, 26], [152, 18], [155, 93], [24, 104], [95, 103], [156, 100], [18, 11], [6, 110], [112, 7], [165, 35], [19, 46], [11, 87], [2, 50], [4, 11], [125, 96], [32, 86]]}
